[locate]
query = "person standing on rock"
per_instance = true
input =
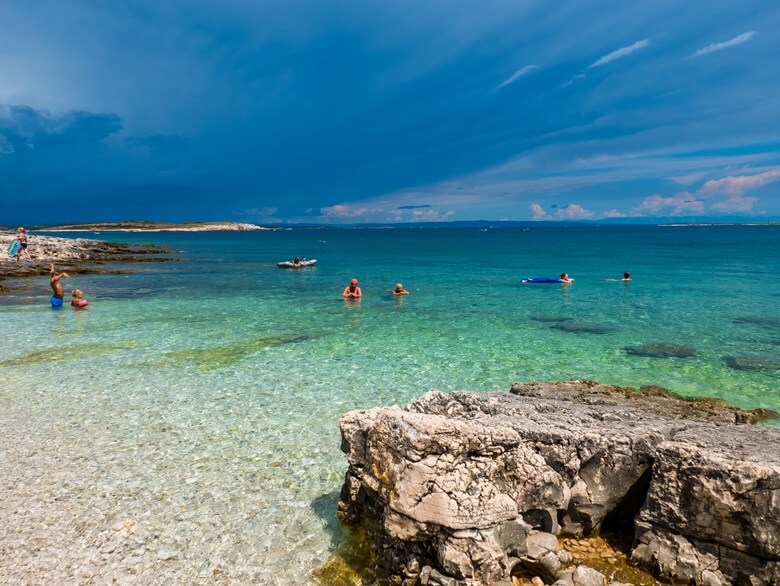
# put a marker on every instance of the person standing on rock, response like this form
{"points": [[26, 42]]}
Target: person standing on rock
{"points": [[21, 237], [56, 286]]}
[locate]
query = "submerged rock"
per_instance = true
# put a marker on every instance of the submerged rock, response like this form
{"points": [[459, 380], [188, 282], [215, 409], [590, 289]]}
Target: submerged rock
{"points": [[463, 488], [758, 320], [661, 350], [551, 318], [583, 328], [752, 362]]}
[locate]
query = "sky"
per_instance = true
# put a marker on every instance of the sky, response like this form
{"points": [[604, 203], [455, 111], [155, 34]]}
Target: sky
{"points": [[304, 111]]}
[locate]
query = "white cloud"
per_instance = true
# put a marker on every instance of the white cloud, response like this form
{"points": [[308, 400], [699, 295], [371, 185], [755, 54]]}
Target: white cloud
{"points": [[622, 52], [573, 211], [538, 211], [430, 215], [737, 203], [614, 214], [729, 194], [738, 40], [679, 204], [343, 211], [516, 75], [736, 186]]}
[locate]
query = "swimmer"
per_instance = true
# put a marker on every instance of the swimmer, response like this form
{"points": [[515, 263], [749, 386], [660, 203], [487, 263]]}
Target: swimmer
{"points": [[626, 278], [78, 301], [56, 286], [565, 278], [352, 291], [399, 290]]}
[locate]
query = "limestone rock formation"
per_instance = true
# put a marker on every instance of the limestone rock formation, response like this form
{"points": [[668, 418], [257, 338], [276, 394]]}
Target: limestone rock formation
{"points": [[469, 488]]}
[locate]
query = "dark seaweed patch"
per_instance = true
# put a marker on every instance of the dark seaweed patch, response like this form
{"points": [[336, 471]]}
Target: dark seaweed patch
{"points": [[752, 362], [223, 356], [758, 320], [551, 318], [661, 350], [583, 328]]}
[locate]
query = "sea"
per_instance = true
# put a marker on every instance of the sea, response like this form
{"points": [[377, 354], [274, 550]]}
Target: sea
{"points": [[190, 416]]}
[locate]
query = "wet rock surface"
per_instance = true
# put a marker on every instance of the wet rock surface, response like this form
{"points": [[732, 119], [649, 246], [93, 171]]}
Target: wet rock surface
{"points": [[468, 488]]}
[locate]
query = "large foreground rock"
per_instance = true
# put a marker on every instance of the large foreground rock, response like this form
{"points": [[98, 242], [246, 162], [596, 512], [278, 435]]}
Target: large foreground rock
{"points": [[456, 488]]}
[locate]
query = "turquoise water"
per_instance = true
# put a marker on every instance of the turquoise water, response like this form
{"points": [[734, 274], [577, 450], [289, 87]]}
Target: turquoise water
{"points": [[207, 393]]}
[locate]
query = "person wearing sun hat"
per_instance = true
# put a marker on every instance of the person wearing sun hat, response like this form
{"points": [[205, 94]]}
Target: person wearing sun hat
{"points": [[352, 291]]}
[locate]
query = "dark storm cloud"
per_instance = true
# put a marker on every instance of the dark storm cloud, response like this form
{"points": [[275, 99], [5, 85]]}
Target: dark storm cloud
{"points": [[25, 128], [367, 110]]}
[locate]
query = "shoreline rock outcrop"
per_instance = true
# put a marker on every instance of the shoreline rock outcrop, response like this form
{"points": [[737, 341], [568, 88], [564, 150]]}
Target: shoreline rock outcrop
{"points": [[75, 256], [468, 488]]}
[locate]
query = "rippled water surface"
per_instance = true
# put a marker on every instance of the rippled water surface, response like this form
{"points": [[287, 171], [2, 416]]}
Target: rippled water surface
{"points": [[188, 421]]}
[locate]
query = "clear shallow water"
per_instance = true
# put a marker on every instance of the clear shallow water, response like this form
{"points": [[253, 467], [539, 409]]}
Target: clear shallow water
{"points": [[205, 395]]}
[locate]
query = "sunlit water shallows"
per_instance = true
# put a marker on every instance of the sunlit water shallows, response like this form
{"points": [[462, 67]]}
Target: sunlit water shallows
{"points": [[188, 421]]}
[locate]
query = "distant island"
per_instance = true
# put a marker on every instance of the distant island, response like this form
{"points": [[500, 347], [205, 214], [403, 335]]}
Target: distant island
{"points": [[141, 226]]}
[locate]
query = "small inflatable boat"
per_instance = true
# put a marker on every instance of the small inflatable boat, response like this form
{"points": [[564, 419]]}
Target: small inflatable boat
{"points": [[541, 280], [288, 264]]}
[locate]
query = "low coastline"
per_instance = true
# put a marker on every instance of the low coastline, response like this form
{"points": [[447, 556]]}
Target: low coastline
{"points": [[131, 226]]}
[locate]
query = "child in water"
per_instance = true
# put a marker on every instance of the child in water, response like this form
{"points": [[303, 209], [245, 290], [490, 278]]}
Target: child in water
{"points": [[78, 301]]}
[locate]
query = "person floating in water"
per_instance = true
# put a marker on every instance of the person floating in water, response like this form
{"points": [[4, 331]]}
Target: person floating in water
{"points": [[626, 278], [21, 237], [78, 301], [399, 290], [565, 278], [352, 291], [56, 286]]}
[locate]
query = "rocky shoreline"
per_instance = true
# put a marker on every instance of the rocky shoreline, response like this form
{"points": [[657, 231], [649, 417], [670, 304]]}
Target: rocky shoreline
{"points": [[74, 256], [464, 489]]}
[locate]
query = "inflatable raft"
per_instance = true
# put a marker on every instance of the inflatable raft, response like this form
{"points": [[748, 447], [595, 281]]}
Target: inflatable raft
{"points": [[288, 264]]}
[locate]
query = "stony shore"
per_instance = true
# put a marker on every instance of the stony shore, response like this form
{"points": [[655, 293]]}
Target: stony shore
{"points": [[73, 255], [468, 489]]}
